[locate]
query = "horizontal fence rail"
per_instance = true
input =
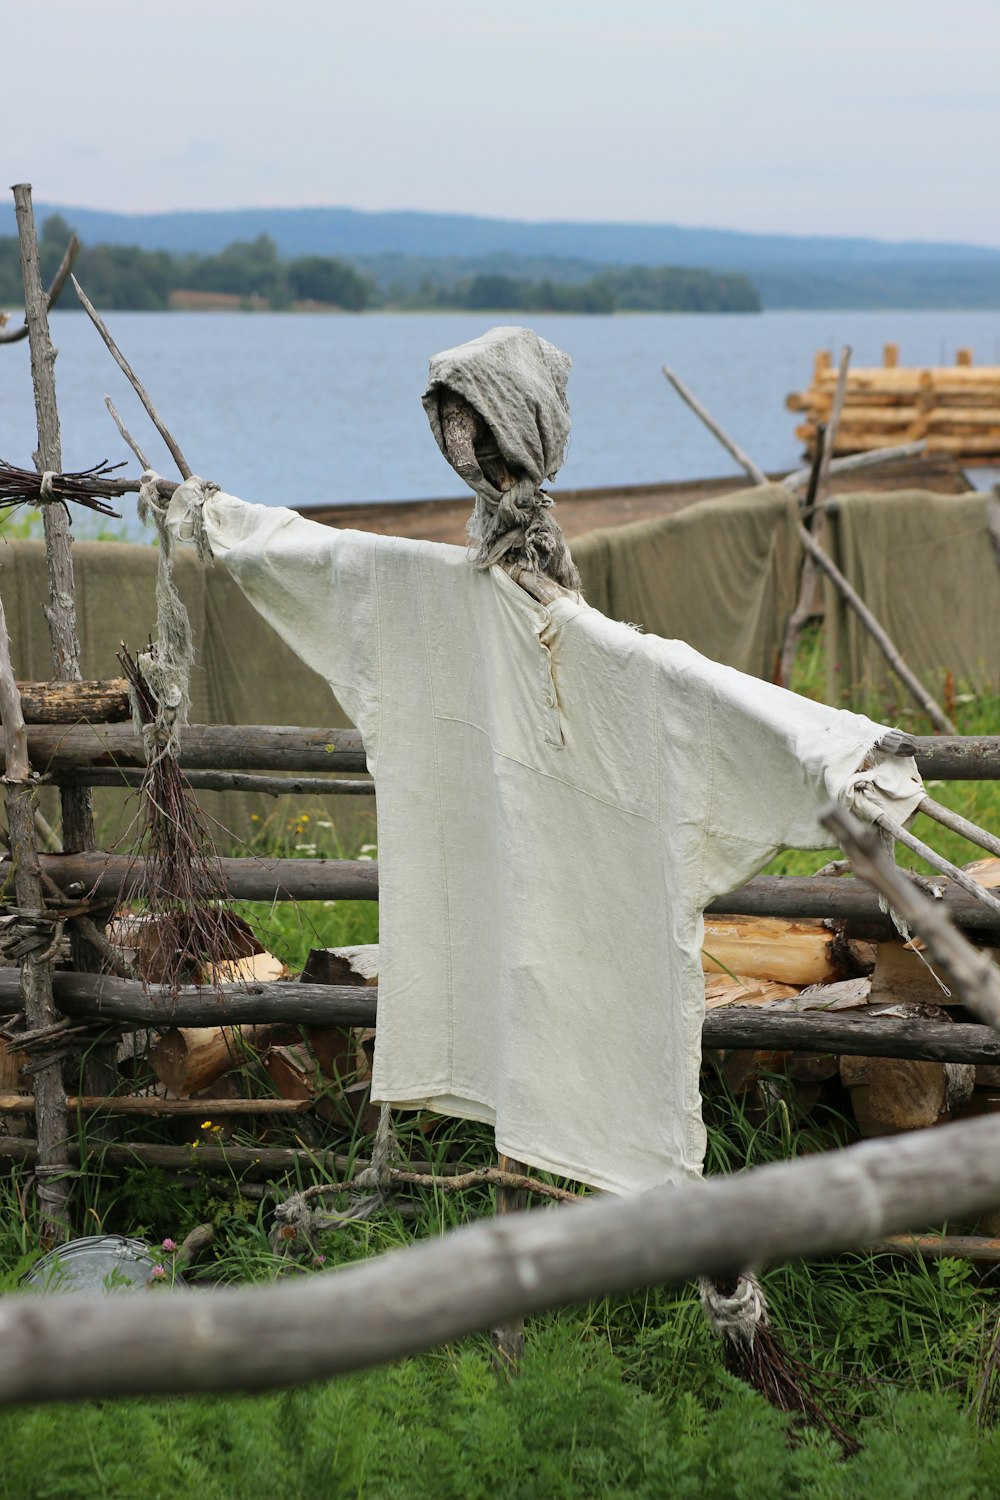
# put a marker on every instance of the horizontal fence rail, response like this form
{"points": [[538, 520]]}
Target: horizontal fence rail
{"points": [[272, 747], [94, 997], [111, 876]]}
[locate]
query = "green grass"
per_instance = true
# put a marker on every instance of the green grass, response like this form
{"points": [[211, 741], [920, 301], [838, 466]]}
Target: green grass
{"points": [[624, 1396]]}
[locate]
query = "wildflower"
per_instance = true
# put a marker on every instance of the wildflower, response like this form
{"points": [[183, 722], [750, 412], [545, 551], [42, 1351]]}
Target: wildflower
{"points": [[255, 817], [157, 1273], [206, 1124], [319, 1260], [169, 1245], [324, 825]]}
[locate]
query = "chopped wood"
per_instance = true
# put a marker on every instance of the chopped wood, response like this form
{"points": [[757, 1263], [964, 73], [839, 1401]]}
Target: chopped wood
{"points": [[723, 989], [789, 951], [189, 1059], [357, 965]]}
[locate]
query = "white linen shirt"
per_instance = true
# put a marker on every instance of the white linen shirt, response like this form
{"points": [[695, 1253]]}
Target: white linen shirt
{"points": [[559, 797]]}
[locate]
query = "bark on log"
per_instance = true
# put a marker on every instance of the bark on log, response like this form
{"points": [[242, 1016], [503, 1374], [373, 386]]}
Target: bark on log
{"points": [[225, 781], [232, 747], [81, 1347], [253, 879], [99, 701]]}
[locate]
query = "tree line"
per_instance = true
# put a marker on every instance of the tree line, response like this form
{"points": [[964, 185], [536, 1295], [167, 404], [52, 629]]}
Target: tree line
{"points": [[128, 278]]}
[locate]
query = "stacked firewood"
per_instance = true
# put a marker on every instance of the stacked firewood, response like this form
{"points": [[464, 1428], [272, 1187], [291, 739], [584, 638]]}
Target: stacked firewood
{"points": [[955, 410], [803, 965]]}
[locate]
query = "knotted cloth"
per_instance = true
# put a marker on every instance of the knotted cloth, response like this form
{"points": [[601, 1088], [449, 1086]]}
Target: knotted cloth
{"points": [[515, 382]]}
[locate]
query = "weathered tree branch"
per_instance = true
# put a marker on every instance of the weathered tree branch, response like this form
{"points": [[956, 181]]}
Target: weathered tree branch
{"points": [[81, 1348]]}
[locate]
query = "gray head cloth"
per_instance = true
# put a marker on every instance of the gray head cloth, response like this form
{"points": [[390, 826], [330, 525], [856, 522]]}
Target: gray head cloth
{"points": [[515, 382]]}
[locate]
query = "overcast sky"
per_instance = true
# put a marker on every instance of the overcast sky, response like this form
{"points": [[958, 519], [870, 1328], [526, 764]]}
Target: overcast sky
{"points": [[876, 117]]}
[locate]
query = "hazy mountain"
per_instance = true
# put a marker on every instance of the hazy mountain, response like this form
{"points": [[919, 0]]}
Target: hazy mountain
{"points": [[351, 232], [406, 249]]}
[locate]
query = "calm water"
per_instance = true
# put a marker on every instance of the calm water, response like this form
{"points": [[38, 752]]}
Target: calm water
{"points": [[291, 409]]}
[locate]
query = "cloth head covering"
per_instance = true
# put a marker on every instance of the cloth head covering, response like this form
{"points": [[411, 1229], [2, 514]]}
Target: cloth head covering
{"points": [[515, 382]]}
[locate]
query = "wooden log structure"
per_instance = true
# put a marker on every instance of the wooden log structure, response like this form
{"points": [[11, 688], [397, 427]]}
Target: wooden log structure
{"points": [[954, 410]]}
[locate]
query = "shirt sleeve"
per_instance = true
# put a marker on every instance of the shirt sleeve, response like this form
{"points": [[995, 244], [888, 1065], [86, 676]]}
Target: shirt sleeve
{"points": [[315, 585], [775, 762]]}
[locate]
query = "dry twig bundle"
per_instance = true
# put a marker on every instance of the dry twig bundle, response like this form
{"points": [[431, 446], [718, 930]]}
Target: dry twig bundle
{"points": [[195, 931], [29, 487]]}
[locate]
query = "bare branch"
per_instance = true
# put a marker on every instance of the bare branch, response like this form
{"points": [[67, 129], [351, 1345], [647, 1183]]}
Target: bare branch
{"points": [[133, 380]]}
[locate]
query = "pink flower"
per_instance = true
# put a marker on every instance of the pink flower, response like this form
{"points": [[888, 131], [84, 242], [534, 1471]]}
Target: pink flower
{"points": [[157, 1272], [318, 1260], [170, 1246]]}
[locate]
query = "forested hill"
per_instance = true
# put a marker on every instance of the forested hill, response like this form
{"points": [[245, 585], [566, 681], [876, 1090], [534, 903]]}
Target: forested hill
{"points": [[787, 270], [252, 274]]}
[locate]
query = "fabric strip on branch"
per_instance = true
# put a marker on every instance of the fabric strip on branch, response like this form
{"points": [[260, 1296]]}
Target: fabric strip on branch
{"points": [[515, 382], [166, 666]]}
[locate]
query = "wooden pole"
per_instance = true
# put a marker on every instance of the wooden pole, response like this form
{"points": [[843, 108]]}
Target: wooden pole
{"points": [[826, 442], [100, 1066], [508, 1337], [255, 1338], [829, 567], [36, 969], [77, 808]]}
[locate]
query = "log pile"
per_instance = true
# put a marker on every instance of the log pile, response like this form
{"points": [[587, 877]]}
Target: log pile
{"points": [[954, 409]]}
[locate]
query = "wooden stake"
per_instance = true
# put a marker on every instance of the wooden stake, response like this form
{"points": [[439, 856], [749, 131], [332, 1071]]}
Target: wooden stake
{"points": [[829, 567], [100, 1067], [36, 968], [508, 1337]]}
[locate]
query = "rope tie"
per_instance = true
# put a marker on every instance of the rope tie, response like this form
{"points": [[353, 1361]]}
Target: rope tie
{"points": [[45, 488], [512, 526], [737, 1316], [378, 1177]]}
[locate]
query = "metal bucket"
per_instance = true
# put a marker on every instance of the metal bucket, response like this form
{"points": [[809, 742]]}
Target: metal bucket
{"points": [[100, 1263]]}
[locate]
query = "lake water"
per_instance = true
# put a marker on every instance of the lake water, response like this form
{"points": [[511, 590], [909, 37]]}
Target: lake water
{"points": [[296, 409]]}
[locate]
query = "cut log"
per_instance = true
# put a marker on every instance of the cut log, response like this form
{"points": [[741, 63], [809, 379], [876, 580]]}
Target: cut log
{"points": [[902, 976], [190, 1059], [98, 702], [893, 1094], [790, 952], [343, 1053], [358, 965], [293, 1073]]}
